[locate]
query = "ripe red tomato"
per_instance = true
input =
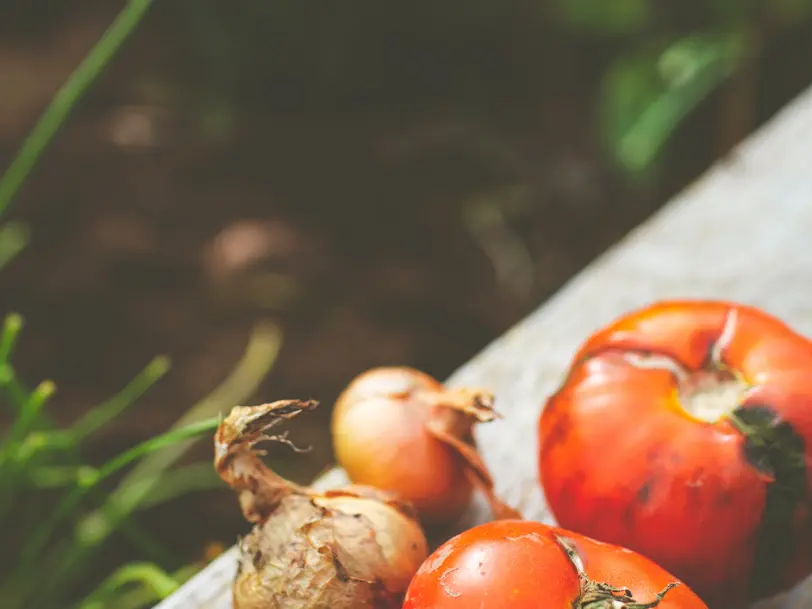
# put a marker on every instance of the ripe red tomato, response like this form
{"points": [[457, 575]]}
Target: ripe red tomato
{"points": [[683, 431], [519, 564]]}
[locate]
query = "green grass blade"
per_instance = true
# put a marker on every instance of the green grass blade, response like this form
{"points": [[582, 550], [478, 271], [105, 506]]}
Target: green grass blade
{"points": [[14, 236], [168, 439], [11, 478], [146, 575], [28, 414], [55, 476], [135, 488], [175, 483], [13, 388], [98, 417], [66, 442], [131, 597], [44, 440], [144, 594], [12, 326], [258, 359], [90, 478], [95, 419], [67, 97], [646, 97], [159, 489], [615, 18]]}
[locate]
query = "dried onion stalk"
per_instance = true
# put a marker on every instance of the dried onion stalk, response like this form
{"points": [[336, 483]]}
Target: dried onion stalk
{"points": [[350, 549]]}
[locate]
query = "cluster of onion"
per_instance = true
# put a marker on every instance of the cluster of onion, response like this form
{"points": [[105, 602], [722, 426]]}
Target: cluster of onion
{"points": [[406, 443]]}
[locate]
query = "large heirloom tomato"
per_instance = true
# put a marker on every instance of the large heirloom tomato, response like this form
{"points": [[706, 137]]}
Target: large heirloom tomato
{"points": [[520, 564], [683, 431]]}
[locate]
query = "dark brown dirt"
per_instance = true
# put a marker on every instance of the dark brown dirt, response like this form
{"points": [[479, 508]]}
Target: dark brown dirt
{"points": [[353, 170]]}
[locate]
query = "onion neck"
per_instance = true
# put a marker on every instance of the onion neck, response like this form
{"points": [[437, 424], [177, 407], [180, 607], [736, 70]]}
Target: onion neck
{"points": [[238, 463]]}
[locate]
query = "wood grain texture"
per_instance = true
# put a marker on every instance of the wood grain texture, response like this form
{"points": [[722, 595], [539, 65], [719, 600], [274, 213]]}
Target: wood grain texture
{"points": [[743, 232]]}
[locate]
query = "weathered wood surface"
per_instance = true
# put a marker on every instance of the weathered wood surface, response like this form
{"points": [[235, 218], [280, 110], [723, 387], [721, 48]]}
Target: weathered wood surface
{"points": [[743, 232]]}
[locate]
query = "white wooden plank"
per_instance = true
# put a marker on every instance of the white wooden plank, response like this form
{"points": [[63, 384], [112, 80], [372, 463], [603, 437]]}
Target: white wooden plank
{"points": [[743, 232]]}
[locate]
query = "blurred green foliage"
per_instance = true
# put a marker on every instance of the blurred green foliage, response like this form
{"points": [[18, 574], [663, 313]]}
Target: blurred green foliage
{"points": [[617, 17], [664, 73], [664, 57], [62, 507], [65, 506], [647, 95]]}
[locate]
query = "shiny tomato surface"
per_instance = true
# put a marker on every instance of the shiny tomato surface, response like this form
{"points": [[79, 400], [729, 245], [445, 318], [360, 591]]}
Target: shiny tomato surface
{"points": [[683, 431], [518, 564]]}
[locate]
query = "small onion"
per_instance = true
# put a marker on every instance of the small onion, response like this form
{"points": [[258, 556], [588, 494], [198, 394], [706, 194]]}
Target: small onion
{"points": [[348, 549], [400, 430]]}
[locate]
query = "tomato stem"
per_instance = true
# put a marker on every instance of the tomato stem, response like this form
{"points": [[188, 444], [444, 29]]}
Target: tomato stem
{"points": [[599, 595]]}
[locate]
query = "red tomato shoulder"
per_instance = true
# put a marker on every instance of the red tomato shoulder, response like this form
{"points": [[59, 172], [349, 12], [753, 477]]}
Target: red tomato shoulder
{"points": [[518, 564]]}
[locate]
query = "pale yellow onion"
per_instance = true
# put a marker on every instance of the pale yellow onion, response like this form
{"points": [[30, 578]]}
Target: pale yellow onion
{"points": [[398, 429]]}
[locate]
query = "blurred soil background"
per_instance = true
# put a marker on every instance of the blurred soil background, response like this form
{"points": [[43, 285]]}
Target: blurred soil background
{"points": [[391, 183]]}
